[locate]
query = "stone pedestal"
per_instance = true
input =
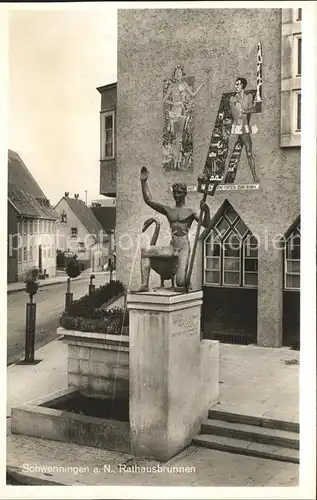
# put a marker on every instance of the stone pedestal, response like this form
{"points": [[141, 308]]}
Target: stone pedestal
{"points": [[166, 404]]}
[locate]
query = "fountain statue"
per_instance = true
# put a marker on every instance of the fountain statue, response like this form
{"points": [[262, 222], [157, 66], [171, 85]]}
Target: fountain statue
{"points": [[170, 262]]}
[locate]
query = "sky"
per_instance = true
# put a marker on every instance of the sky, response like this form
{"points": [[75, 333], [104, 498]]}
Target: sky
{"points": [[57, 59]]}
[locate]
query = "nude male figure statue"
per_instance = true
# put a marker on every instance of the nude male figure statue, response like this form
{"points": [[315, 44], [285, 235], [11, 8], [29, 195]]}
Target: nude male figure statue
{"points": [[180, 218]]}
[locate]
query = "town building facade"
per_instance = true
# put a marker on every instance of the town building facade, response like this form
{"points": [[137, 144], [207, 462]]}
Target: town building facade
{"points": [[31, 225], [106, 215], [213, 92], [80, 233]]}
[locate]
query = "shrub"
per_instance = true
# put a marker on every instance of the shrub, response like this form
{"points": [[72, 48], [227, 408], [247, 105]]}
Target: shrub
{"points": [[87, 305], [73, 268], [87, 315]]}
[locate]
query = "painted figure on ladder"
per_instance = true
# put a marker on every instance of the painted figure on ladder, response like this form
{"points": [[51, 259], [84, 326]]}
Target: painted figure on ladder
{"points": [[233, 124]]}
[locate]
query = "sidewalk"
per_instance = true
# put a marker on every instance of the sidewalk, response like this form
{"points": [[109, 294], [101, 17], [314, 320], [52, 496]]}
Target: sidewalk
{"points": [[56, 280], [253, 380]]}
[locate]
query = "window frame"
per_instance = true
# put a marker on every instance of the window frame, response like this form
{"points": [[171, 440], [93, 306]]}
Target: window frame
{"points": [[296, 115], [73, 232], [205, 257], [246, 257], [297, 15], [213, 238], [294, 232], [224, 257], [81, 247], [291, 32], [296, 59], [103, 115]]}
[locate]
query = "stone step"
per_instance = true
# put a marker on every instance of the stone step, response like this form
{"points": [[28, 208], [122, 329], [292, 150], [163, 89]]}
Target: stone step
{"points": [[252, 420], [244, 447], [253, 433]]}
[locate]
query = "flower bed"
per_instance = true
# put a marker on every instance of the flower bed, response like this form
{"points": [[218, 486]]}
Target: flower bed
{"points": [[89, 313]]}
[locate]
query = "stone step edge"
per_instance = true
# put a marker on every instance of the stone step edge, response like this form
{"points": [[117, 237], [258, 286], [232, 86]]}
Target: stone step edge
{"points": [[253, 420], [231, 445], [249, 432]]}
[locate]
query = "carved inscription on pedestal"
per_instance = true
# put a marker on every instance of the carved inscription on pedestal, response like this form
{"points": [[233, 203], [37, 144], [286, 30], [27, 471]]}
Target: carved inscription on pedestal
{"points": [[185, 324]]}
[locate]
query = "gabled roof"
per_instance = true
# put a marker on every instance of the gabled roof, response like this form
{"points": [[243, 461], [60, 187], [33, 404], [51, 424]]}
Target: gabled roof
{"points": [[85, 215], [19, 175], [24, 193], [106, 216]]}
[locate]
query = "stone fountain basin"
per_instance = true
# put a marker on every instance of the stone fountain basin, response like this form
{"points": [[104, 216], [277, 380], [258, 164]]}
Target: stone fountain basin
{"points": [[70, 416]]}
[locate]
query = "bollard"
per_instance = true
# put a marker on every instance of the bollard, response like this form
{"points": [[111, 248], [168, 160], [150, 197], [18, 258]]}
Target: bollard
{"points": [[31, 288], [68, 296], [72, 271], [110, 267], [91, 287], [30, 331]]}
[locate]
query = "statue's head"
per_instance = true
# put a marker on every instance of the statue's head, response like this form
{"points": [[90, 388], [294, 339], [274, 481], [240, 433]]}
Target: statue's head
{"points": [[240, 84], [178, 72], [179, 191]]}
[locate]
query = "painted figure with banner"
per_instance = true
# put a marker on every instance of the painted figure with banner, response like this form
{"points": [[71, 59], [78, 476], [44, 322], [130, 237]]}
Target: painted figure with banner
{"points": [[233, 122], [241, 107]]}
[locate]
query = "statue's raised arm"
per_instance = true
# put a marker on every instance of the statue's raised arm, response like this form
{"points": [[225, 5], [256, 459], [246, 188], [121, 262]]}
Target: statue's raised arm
{"points": [[159, 207]]}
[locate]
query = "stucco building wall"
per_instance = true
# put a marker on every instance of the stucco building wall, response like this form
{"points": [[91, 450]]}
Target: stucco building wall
{"points": [[150, 44]]}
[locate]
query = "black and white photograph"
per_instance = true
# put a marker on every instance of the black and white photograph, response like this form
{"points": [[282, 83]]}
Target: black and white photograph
{"points": [[161, 247]]}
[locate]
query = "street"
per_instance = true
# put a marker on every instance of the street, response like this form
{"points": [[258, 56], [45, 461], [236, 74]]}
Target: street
{"points": [[50, 302]]}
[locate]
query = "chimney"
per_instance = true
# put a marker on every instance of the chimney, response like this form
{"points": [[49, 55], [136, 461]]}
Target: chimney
{"points": [[76, 196], [66, 194]]}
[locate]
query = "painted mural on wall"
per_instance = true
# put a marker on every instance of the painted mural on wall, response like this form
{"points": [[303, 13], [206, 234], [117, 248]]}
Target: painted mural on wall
{"points": [[178, 100], [233, 129]]}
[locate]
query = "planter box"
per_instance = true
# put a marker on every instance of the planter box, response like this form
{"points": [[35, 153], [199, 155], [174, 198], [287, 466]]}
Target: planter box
{"points": [[98, 363]]}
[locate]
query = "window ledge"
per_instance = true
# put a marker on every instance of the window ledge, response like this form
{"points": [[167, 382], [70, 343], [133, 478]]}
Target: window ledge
{"points": [[231, 286], [108, 158], [290, 140]]}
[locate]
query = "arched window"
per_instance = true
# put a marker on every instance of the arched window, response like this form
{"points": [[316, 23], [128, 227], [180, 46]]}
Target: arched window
{"points": [[292, 260], [230, 253]]}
